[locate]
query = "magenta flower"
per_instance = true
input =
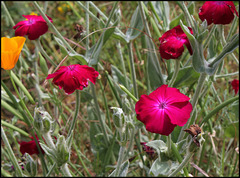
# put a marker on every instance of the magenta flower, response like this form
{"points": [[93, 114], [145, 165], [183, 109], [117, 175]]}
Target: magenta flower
{"points": [[73, 77], [34, 26], [217, 12], [30, 147], [235, 85], [172, 41], [163, 109]]}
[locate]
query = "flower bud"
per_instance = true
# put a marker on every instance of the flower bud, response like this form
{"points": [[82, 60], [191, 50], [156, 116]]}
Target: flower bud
{"points": [[62, 151], [43, 64], [30, 166], [42, 120], [118, 117]]}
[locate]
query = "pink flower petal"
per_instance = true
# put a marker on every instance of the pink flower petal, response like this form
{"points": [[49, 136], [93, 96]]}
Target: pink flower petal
{"points": [[217, 12], [37, 29], [179, 113], [22, 31], [163, 109], [73, 77], [171, 43]]}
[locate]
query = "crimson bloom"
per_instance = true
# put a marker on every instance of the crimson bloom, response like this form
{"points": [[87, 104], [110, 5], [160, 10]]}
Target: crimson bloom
{"points": [[73, 77], [34, 26], [217, 12], [172, 41], [235, 85], [163, 109], [30, 147]]}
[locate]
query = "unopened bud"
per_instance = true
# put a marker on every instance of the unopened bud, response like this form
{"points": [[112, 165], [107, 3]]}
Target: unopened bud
{"points": [[62, 151], [42, 120]]}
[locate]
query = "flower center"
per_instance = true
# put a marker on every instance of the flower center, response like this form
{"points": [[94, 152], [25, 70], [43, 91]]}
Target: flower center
{"points": [[71, 67], [162, 105]]}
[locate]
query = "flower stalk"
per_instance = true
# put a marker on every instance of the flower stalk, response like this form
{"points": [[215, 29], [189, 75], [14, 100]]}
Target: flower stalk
{"points": [[194, 101], [77, 108], [11, 154], [133, 72], [176, 70], [120, 160], [65, 170]]}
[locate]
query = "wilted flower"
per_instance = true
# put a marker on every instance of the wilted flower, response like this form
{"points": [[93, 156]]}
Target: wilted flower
{"points": [[73, 77], [10, 51], [34, 26], [235, 85], [163, 109], [172, 41], [149, 150], [217, 12], [29, 147]]}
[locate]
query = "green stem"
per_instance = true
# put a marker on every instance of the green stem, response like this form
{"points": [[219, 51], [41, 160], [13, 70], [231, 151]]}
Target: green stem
{"points": [[39, 46], [77, 108], [128, 93], [52, 26], [113, 89], [111, 14], [22, 87], [130, 143], [65, 170], [178, 156], [194, 101], [122, 62], [37, 84], [218, 108], [227, 75], [176, 70], [187, 14], [169, 140], [120, 159], [87, 26], [182, 165], [14, 128], [21, 101], [150, 42], [152, 21], [9, 94], [74, 10], [209, 37], [102, 124], [223, 155], [11, 154], [51, 169], [226, 50], [155, 13], [133, 72], [104, 16], [233, 26], [11, 109], [87, 10], [106, 106]]}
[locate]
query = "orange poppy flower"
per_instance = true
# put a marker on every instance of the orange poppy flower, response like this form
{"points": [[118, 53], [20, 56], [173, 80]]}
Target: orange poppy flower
{"points": [[10, 51]]}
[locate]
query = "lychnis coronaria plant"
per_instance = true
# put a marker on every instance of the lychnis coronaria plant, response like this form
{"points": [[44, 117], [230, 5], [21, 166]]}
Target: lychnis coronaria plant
{"points": [[163, 109], [172, 41], [34, 26], [73, 77], [218, 12]]}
